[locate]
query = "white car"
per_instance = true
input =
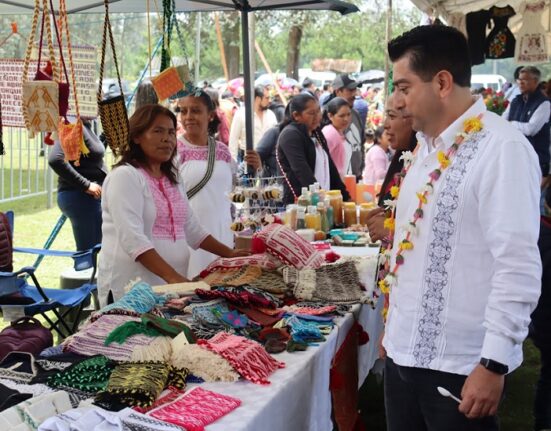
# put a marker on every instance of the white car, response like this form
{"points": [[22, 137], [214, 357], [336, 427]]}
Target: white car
{"points": [[495, 82]]}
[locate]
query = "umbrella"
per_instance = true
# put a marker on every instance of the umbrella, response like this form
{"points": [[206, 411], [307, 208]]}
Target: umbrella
{"points": [[235, 85]]}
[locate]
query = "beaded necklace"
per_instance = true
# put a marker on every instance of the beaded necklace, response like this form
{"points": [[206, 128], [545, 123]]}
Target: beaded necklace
{"points": [[388, 276]]}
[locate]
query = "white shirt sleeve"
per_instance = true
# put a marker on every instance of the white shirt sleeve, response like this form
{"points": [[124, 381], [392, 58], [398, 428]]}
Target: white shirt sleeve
{"points": [[509, 217], [236, 130], [125, 203], [195, 233], [537, 120], [505, 114]]}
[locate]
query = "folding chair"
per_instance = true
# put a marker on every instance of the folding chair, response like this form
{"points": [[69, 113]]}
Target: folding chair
{"points": [[16, 295]]}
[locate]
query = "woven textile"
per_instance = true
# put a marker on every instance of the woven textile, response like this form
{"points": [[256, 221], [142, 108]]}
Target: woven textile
{"points": [[18, 366], [89, 341], [290, 248], [263, 260], [90, 375], [167, 83], [242, 295], [247, 357], [336, 282], [271, 281], [196, 409], [201, 362], [140, 299], [140, 383], [235, 277]]}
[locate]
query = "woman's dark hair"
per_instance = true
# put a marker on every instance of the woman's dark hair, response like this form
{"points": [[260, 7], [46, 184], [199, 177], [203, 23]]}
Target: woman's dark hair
{"points": [[395, 167], [145, 95], [332, 108], [259, 91], [206, 98], [433, 48], [139, 123], [378, 134], [214, 96], [296, 104]]}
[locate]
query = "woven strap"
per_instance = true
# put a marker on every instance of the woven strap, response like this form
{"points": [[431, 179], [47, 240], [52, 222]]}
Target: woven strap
{"points": [[65, 26], [30, 42], [168, 22], [59, 43], [210, 168], [179, 33], [46, 22], [107, 29]]}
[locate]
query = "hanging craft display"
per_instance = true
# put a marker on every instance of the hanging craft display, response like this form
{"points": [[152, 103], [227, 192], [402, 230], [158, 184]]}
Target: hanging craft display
{"points": [[174, 81], [40, 97], [112, 112], [531, 45], [500, 43], [71, 136]]}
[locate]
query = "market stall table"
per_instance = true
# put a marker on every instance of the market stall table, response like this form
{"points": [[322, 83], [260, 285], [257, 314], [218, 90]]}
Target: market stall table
{"points": [[298, 397]]}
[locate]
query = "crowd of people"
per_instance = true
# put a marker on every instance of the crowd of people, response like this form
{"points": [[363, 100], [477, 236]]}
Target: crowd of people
{"points": [[475, 183]]}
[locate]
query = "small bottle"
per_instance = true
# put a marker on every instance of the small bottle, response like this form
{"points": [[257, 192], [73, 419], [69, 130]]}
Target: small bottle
{"points": [[313, 218], [323, 215], [329, 213], [291, 216], [314, 194], [304, 198], [336, 200], [301, 214], [365, 208]]}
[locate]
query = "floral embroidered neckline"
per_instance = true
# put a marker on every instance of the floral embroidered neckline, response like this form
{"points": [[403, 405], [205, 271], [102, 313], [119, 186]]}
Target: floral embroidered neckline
{"points": [[388, 276]]}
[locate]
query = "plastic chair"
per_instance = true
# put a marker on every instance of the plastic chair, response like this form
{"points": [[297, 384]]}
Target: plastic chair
{"points": [[17, 294]]}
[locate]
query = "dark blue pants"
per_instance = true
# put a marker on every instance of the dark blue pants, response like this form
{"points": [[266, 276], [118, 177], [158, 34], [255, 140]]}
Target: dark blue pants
{"points": [[413, 403], [84, 212]]}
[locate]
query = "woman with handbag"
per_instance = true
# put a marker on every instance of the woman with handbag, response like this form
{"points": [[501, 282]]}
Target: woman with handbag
{"points": [[302, 153], [206, 171], [148, 222]]}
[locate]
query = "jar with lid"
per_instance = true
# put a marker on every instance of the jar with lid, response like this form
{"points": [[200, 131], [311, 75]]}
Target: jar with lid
{"points": [[291, 216], [336, 201], [350, 215], [313, 218], [323, 215], [365, 208], [301, 213]]}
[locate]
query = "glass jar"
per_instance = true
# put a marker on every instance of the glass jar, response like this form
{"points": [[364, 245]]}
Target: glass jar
{"points": [[313, 218], [291, 216], [350, 214], [336, 201], [364, 212]]}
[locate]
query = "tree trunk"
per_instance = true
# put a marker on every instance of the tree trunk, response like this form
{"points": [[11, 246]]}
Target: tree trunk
{"points": [[232, 40], [293, 51]]}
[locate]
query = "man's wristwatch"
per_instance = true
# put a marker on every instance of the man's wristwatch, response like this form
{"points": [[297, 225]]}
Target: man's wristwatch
{"points": [[494, 366]]}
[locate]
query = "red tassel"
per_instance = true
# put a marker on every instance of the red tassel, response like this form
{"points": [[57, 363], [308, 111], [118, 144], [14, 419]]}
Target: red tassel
{"points": [[48, 139], [331, 257], [48, 69], [257, 246]]}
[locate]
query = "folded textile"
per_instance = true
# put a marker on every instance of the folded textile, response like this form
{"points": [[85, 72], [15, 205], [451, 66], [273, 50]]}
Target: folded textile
{"points": [[179, 289], [263, 260], [289, 247], [258, 316], [201, 362], [10, 397], [34, 389], [242, 295], [234, 277], [90, 375], [140, 383], [271, 281], [29, 414], [304, 331], [247, 357], [336, 282], [312, 311], [196, 409], [90, 340], [98, 419], [18, 366], [140, 299]]}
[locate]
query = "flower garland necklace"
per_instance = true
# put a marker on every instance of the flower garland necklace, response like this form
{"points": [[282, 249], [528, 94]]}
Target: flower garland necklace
{"points": [[387, 277]]}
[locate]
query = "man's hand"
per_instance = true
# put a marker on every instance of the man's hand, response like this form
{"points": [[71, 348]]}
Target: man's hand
{"points": [[481, 393], [252, 158], [375, 224]]}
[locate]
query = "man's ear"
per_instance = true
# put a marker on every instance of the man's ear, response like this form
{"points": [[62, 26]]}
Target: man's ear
{"points": [[444, 83]]}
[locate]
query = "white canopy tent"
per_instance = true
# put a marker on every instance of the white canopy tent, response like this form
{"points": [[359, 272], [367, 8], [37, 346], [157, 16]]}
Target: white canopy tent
{"points": [[243, 6]]}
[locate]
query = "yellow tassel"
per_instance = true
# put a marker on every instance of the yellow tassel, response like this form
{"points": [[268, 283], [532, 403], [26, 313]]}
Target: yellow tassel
{"points": [[389, 223], [394, 191]]}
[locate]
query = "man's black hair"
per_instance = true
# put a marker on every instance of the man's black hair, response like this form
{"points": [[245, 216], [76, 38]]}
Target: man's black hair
{"points": [[259, 91], [326, 86], [433, 48], [516, 74]]}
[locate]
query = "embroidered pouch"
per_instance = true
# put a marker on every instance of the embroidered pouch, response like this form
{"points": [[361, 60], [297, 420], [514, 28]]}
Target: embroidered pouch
{"points": [[71, 139], [167, 83], [291, 249]]}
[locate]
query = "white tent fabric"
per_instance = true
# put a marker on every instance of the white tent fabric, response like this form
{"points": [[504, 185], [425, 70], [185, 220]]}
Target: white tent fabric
{"points": [[444, 7], [115, 6]]}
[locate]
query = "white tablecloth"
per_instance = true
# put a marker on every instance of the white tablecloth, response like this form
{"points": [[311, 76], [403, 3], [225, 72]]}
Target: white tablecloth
{"points": [[298, 398]]}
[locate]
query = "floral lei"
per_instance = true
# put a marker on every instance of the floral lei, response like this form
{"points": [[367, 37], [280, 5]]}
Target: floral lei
{"points": [[388, 277]]}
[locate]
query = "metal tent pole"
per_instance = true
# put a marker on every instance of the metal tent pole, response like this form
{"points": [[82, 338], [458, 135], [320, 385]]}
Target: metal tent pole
{"points": [[247, 76]]}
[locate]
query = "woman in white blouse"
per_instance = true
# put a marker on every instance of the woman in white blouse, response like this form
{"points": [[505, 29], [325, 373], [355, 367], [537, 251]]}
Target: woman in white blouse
{"points": [[147, 220]]}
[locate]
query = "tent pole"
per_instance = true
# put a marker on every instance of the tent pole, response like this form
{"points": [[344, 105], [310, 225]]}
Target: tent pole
{"points": [[247, 77], [387, 39]]}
